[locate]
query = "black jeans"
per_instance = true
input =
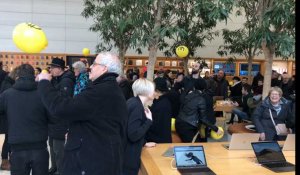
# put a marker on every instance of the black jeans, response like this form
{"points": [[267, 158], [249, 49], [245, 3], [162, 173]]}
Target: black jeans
{"points": [[37, 161], [56, 153], [187, 132], [5, 148]]}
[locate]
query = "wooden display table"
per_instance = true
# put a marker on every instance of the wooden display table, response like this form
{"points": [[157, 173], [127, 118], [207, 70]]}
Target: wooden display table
{"points": [[219, 159], [239, 128]]}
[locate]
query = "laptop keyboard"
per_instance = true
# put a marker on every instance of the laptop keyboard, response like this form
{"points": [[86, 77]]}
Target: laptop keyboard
{"points": [[274, 165]]}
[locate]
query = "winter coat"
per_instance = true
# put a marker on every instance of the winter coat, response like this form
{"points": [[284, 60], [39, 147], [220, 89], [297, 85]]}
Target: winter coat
{"points": [[137, 127], [193, 110], [81, 83], [98, 117], [58, 127], [26, 114], [160, 130], [222, 87], [262, 119], [6, 84]]}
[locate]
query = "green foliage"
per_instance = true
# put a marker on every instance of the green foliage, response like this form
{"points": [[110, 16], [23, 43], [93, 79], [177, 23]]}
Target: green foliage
{"points": [[195, 21], [277, 27], [115, 22], [240, 41]]}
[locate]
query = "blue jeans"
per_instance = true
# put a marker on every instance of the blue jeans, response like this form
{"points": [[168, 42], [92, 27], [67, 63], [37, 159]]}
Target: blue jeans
{"points": [[241, 115]]}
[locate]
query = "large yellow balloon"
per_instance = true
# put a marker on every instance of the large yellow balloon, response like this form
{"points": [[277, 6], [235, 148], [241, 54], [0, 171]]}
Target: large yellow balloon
{"points": [[173, 124], [29, 38], [85, 51], [215, 136], [182, 51]]}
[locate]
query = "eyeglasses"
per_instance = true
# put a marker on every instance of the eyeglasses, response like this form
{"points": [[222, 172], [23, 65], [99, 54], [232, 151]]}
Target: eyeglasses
{"points": [[95, 63]]}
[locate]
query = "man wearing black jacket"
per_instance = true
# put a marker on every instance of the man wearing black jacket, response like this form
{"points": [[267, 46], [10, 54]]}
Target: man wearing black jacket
{"points": [[27, 124], [97, 116], [64, 82]]}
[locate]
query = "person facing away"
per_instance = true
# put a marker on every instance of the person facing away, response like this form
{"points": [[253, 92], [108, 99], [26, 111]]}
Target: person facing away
{"points": [[193, 113], [27, 124], [7, 83], [97, 116], [139, 121], [63, 81], [281, 113], [82, 77], [160, 130]]}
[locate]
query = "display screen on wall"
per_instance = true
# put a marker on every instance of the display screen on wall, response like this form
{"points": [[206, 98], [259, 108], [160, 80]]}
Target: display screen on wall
{"points": [[229, 69], [244, 69]]}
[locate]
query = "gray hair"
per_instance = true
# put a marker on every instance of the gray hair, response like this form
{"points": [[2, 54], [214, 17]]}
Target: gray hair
{"points": [[143, 87], [79, 65], [111, 61]]}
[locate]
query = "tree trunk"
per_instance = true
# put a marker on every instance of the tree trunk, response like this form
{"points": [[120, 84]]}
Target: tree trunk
{"points": [[269, 54], [153, 43], [250, 77], [122, 52], [185, 66]]}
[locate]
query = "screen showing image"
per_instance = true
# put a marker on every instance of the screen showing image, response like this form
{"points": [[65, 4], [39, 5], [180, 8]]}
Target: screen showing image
{"points": [[229, 69], [244, 69], [189, 156], [268, 152]]}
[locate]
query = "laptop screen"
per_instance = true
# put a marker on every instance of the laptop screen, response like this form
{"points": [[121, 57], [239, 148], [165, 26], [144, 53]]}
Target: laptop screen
{"points": [[267, 152], [189, 156]]}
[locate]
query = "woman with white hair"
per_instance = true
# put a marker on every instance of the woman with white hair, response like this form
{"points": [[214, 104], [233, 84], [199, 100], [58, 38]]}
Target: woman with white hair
{"points": [[82, 77], [139, 121]]}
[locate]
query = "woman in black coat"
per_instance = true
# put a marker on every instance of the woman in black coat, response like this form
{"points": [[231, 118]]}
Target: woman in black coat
{"points": [[280, 110], [139, 121], [160, 131]]}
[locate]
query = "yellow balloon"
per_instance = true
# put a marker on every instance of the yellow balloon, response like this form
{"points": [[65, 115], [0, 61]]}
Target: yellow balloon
{"points": [[230, 83], [182, 51], [29, 38], [215, 136], [202, 131], [173, 124], [45, 71], [85, 51]]}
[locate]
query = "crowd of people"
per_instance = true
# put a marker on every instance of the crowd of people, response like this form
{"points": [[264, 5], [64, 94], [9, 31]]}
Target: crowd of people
{"points": [[98, 121]]}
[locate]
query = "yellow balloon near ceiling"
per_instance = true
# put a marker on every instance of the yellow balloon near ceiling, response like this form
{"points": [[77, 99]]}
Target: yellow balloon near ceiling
{"points": [[29, 38], [215, 136], [182, 51], [85, 51]]}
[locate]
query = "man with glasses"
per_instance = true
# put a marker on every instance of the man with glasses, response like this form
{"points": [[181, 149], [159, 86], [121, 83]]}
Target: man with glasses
{"points": [[98, 118]]}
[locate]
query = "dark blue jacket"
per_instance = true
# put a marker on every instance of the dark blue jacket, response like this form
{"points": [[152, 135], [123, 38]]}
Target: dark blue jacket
{"points": [[262, 119], [137, 127], [98, 117], [27, 116]]}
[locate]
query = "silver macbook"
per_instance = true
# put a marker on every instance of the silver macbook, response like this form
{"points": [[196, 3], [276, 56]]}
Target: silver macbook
{"points": [[289, 144], [242, 141]]}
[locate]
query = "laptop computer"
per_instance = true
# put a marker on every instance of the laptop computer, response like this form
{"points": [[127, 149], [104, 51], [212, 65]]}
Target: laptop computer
{"points": [[269, 155], [190, 160], [289, 143], [241, 141]]}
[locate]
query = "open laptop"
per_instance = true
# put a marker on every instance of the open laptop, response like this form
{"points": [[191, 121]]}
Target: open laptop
{"points": [[269, 155], [241, 141], [289, 143], [190, 160]]}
